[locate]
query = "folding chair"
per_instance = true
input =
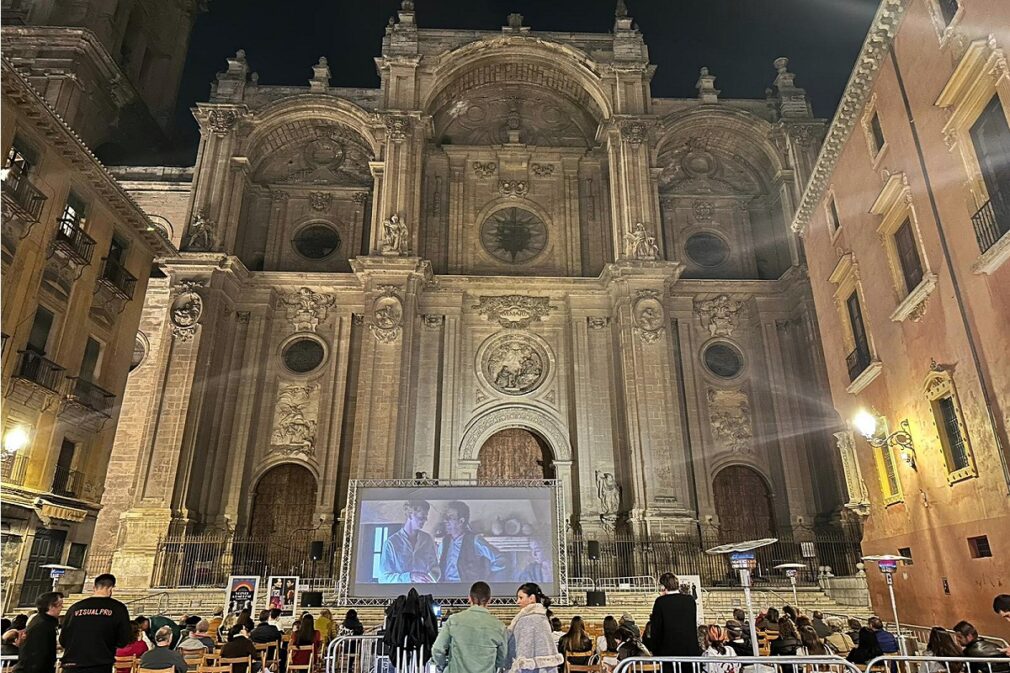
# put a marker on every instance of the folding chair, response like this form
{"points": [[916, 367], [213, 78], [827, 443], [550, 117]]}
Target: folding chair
{"points": [[126, 663], [293, 667], [170, 669], [193, 657], [230, 662], [587, 667], [270, 654], [210, 659], [213, 669]]}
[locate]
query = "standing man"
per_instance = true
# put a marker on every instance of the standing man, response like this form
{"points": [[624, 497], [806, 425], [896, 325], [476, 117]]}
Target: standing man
{"points": [[38, 651], [472, 641], [674, 622], [409, 554], [94, 628], [466, 556]]}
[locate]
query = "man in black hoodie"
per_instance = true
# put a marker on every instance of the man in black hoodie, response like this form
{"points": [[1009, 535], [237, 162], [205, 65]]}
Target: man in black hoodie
{"points": [[93, 629], [38, 652]]}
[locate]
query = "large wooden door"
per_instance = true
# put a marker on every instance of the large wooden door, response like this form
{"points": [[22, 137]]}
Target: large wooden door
{"points": [[514, 453], [285, 501], [47, 547], [743, 503]]}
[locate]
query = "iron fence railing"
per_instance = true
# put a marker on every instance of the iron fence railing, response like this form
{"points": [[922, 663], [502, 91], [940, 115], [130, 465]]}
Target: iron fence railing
{"points": [[76, 484], [19, 188], [74, 241], [991, 222], [40, 370], [857, 361], [115, 277], [90, 395]]}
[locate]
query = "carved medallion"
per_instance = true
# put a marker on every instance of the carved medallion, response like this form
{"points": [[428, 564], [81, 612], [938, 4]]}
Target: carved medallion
{"points": [[320, 200], [704, 211], [514, 364], [648, 315], [187, 308], [513, 189], [513, 310], [397, 127], [387, 315], [719, 315], [542, 170], [634, 132], [222, 121], [306, 309]]}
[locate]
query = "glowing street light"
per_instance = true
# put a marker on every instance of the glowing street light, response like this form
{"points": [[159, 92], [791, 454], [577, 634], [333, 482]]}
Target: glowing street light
{"points": [[865, 423], [15, 439], [888, 565], [874, 429]]}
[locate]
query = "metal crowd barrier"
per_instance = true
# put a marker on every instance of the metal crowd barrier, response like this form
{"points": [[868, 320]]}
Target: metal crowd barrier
{"points": [[633, 583], [732, 664], [368, 654], [921, 633], [911, 664]]}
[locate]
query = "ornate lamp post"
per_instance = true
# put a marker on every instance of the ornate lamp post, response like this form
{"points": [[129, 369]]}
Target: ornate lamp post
{"points": [[873, 428]]}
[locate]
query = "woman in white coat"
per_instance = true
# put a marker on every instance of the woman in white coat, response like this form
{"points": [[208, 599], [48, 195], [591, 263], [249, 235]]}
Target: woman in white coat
{"points": [[532, 647]]}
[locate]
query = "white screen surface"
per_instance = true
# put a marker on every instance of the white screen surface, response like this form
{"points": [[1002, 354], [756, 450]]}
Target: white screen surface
{"points": [[443, 539]]}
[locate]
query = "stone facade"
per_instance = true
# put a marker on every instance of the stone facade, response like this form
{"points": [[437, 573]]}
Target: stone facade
{"points": [[510, 233], [905, 229], [77, 253]]}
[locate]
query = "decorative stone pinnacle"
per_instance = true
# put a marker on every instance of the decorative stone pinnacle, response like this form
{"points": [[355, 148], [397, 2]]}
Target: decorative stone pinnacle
{"points": [[320, 75], [407, 6], [621, 11], [706, 87], [515, 20], [782, 65]]}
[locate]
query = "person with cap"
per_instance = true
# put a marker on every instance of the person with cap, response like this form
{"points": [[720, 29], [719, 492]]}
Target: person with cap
{"points": [[737, 638], [628, 622]]}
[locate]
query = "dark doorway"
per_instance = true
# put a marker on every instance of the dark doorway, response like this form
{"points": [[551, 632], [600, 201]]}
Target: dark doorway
{"points": [[515, 453], [743, 503], [46, 548]]}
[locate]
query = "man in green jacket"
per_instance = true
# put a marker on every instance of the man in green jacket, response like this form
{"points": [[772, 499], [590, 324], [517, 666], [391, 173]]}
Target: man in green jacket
{"points": [[472, 641]]}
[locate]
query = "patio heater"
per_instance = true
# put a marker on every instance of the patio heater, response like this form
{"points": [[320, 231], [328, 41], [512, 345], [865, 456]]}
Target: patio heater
{"points": [[56, 571], [791, 570], [742, 558], [888, 565]]}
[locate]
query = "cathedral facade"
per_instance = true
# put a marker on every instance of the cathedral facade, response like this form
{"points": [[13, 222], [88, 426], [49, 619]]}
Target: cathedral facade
{"points": [[509, 260]]}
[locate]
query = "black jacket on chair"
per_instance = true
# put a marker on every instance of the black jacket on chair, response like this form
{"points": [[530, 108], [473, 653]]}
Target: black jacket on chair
{"points": [[674, 626]]}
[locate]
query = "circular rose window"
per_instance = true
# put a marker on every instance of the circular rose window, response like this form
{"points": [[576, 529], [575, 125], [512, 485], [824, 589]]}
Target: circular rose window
{"points": [[514, 364], [723, 360], [706, 249], [303, 355], [513, 235], [317, 241]]}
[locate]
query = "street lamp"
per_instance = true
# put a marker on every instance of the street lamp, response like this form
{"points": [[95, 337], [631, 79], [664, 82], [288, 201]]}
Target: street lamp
{"points": [[741, 557], [888, 564], [15, 439], [874, 429], [791, 571]]}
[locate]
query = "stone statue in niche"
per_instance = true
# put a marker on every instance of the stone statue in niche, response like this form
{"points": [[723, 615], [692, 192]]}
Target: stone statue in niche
{"points": [[514, 366], [609, 492], [640, 244], [200, 236], [394, 236]]}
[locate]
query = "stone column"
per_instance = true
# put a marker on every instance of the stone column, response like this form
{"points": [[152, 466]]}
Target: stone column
{"points": [[450, 436], [213, 179], [859, 498], [632, 199], [657, 461]]}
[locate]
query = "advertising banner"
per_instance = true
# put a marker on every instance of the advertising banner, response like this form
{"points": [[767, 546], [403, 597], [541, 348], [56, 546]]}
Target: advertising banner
{"points": [[241, 593]]}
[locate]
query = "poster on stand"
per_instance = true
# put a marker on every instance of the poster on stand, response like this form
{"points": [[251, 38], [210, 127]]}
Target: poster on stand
{"points": [[282, 594], [241, 593], [691, 585]]}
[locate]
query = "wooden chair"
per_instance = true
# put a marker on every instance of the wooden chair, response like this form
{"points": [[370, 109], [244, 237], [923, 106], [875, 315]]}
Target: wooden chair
{"points": [[210, 659], [270, 653], [193, 658], [122, 663], [587, 667], [170, 669], [307, 667], [654, 667], [213, 669], [229, 662]]}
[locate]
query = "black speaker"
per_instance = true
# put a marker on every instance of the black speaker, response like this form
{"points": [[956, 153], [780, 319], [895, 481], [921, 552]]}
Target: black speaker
{"points": [[312, 599], [596, 599], [316, 550], [594, 550]]}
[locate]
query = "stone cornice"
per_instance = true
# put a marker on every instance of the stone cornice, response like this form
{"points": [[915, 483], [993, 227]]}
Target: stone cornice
{"points": [[857, 91], [37, 113]]}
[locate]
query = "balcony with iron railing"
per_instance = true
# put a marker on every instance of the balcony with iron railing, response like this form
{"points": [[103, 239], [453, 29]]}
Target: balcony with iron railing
{"points": [[22, 194], [87, 394], [72, 240], [991, 223], [117, 279], [13, 468], [857, 361], [75, 484], [39, 370]]}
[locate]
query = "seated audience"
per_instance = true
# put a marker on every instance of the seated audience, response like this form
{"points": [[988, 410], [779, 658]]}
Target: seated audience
{"points": [[265, 632], [738, 638], [788, 641], [351, 626], [198, 637], [628, 622], [305, 634], [941, 644], [237, 646], [771, 622], [837, 640], [11, 640], [888, 643], [866, 648], [976, 646], [820, 626], [243, 622], [163, 656], [135, 648], [608, 641], [557, 630], [853, 632], [576, 640], [717, 638]]}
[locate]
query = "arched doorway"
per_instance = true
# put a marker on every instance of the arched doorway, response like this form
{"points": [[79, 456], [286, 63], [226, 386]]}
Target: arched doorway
{"points": [[284, 501], [743, 503], [515, 453]]}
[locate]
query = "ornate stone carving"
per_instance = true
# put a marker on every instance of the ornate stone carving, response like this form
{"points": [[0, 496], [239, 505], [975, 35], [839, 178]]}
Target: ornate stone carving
{"points": [[484, 169], [320, 201], [187, 308], [397, 127], [542, 170], [729, 415], [634, 132], [648, 315], [640, 244], [433, 321], [598, 322], [608, 491], [703, 211], [859, 499], [387, 315], [513, 189], [359, 198], [718, 315], [295, 419], [222, 121], [513, 310], [514, 364], [201, 236], [516, 417], [306, 309], [395, 236]]}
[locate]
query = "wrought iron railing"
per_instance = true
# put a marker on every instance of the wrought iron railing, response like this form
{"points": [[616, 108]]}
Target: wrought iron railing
{"points": [[40, 370], [73, 240], [20, 189], [117, 278], [75, 484], [991, 222], [88, 394], [13, 468], [857, 361]]}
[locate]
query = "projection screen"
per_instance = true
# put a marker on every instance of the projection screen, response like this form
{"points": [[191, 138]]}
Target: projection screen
{"points": [[441, 539]]}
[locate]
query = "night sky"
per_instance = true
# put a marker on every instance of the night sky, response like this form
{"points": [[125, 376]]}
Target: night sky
{"points": [[736, 39]]}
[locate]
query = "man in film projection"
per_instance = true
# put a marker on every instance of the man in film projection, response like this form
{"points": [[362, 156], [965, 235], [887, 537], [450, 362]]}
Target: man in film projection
{"points": [[466, 555], [409, 554]]}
